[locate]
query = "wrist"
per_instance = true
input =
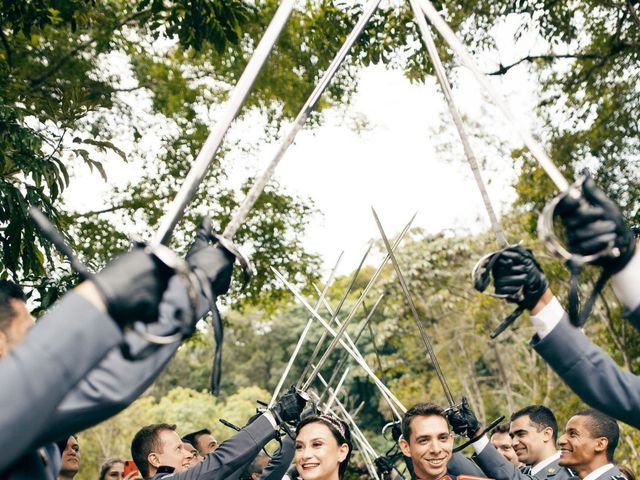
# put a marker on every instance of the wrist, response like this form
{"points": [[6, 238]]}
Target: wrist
{"points": [[546, 298], [90, 292]]}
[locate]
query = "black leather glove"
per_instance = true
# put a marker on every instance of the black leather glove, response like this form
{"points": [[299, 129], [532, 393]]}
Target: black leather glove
{"points": [[517, 270], [215, 262], [290, 406], [384, 465], [462, 420], [593, 224], [132, 286]]}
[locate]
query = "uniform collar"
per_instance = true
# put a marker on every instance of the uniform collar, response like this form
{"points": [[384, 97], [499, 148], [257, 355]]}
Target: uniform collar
{"points": [[538, 467]]}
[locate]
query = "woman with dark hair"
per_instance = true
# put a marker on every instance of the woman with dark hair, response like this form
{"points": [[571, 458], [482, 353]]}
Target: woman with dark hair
{"points": [[112, 469], [322, 448]]}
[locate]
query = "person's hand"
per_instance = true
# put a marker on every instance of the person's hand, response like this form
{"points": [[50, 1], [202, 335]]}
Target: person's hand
{"points": [[462, 420], [290, 406], [518, 276], [132, 285], [215, 262], [593, 223]]}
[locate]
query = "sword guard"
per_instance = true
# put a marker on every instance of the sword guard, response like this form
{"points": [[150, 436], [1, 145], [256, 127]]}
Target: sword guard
{"points": [[547, 233], [248, 269]]}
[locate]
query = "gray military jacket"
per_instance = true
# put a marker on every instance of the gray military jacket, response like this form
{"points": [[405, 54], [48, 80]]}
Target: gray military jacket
{"points": [[231, 455], [494, 465], [88, 349], [590, 372]]}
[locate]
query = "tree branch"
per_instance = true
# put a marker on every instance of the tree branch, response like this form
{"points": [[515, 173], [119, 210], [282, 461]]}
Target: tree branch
{"points": [[7, 47], [634, 13], [62, 61], [549, 58]]}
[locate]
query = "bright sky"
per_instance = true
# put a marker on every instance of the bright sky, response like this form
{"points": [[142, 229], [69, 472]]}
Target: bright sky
{"points": [[393, 165]]}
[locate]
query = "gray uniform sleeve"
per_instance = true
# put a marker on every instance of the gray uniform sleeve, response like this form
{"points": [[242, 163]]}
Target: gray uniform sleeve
{"points": [[462, 465], [494, 465], [231, 454], [58, 351], [116, 381], [591, 373], [281, 461]]}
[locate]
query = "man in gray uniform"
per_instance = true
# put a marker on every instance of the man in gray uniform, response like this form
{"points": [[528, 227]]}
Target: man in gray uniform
{"points": [[158, 453], [534, 431], [588, 445], [87, 348], [593, 223]]}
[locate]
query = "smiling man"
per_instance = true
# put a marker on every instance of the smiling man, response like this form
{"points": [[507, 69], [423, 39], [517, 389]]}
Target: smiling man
{"points": [[588, 445], [533, 430], [428, 441]]}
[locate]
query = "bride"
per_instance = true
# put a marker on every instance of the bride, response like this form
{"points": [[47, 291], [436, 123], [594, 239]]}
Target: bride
{"points": [[322, 448]]}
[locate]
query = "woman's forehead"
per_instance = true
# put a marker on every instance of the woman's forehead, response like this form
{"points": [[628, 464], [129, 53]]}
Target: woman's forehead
{"points": [[314, 430]]}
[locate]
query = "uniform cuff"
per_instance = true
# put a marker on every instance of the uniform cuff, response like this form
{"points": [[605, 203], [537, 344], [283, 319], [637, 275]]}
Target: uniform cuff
{"points": [[626, 283], [271, 419], [480, 444], [547, 318]]}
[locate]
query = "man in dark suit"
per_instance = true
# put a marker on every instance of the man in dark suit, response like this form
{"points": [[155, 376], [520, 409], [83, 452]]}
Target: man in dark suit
{"points": [[588, 445]]}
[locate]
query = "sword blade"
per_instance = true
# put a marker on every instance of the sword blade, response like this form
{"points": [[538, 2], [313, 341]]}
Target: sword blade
{"points": [[414, 312], [345, 357], [335, 391], [334, 315], [296, 350], [300, 120], [457, 120], [236, 100], [366, 289], [393, 400], [456, 45]]}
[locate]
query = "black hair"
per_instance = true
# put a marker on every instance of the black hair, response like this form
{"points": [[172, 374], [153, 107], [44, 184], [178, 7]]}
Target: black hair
{"points": [[423, 409], [192, 438], [8, 291], [62, 442], [104, 468], [144, 442], [541, 417], [601, 425], [340, 431], [501, 428], [253, 467]]}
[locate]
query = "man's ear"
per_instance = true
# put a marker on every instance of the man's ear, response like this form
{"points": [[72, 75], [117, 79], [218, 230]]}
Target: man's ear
{"points": [[601, 444], [548, 434], [153, 460], [404, 446]]}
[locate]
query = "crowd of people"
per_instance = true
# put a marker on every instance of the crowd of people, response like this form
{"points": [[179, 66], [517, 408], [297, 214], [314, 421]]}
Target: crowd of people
{"points": [[48, 394]]}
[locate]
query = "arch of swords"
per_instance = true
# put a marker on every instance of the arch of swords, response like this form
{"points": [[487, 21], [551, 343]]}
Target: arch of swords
{"points": [[335, 326]]}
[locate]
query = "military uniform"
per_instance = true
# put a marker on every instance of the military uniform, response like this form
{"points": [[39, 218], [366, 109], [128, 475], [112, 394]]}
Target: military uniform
{"points": [[59, 408], [494, 465], [231, 455]]}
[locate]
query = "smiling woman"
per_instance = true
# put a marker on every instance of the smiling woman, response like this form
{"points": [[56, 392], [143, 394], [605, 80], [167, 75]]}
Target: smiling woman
{"points": [[322, 448]]}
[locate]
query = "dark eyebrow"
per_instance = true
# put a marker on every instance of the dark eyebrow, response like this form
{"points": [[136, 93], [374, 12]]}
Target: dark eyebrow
{"points": [[517, 432]]}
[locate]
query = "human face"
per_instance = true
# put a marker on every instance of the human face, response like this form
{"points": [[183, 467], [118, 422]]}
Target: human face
{"points": [[318, 455], [206, 444], [430, 446], [115, 472], [21, 322], [502, 442], [579, 450], [70, 463], [193, 453], [172, 452], [529, 444]]}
